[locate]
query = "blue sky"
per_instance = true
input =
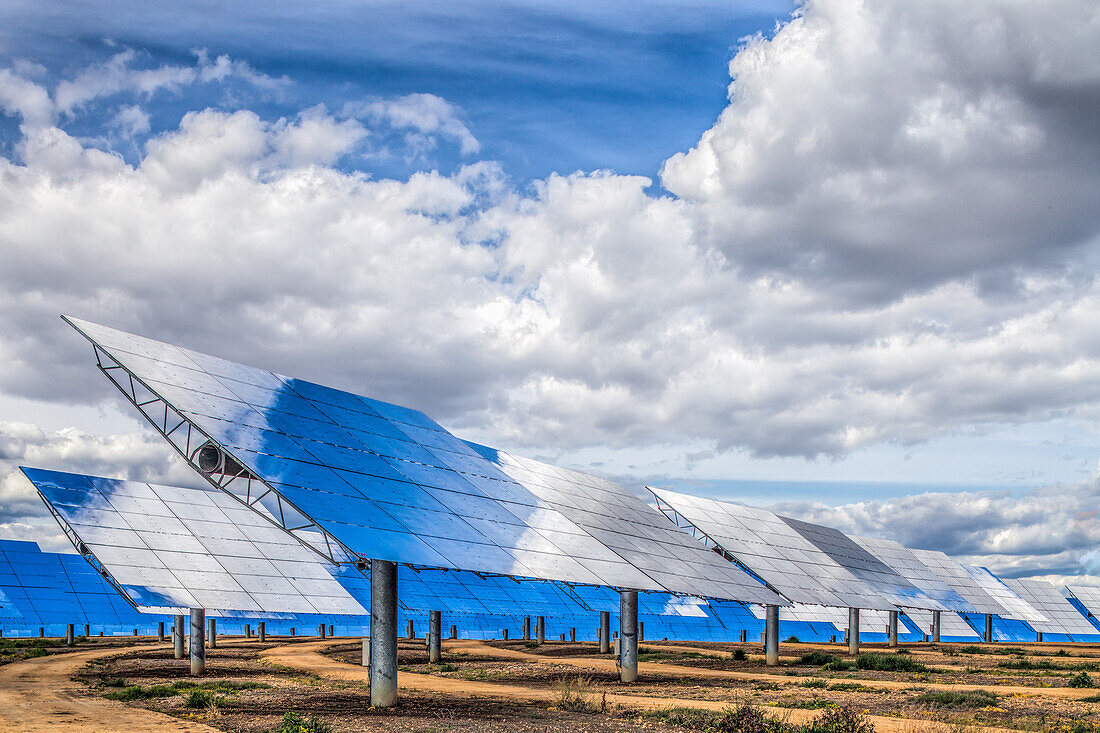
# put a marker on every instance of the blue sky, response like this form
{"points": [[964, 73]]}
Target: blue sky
{"points": [[862, 286], [545, 87]]}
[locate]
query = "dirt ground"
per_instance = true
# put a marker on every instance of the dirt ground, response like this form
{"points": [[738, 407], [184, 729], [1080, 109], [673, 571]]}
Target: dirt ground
{"points": [[515, 686]]}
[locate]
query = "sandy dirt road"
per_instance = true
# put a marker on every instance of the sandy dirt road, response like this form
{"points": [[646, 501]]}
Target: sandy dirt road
{"points": [[39, 695], [308, 658]]}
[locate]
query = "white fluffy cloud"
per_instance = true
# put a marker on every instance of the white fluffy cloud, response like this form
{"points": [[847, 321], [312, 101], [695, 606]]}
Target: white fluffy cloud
{"points": [[872, 244], [423, 117], [119, 75], [891, 146], [1051, 531], [23, 515]]}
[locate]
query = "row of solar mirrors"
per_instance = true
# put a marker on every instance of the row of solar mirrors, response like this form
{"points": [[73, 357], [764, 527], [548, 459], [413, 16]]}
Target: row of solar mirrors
{"points": [[329, 509]]}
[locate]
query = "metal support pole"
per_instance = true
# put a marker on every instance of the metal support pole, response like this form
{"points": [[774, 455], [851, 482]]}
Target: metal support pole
{"points": [[88, 630], [366, 651], [41, 632], [504, 634], [212, 633], [263, 631], [988, 636], [936, 627], [70, 635], [771, 635], [1038, 636], [853, 632], [177, 637], [893, 629], [540, 630], [435, 632], [628, 635], [605, 632], [198, 641], [293, 631], [332, 631], [160, 631], [321, 630], [248, 631], [454, 631], [527, 628], [744, 635], [573, 633], [383, 633]]}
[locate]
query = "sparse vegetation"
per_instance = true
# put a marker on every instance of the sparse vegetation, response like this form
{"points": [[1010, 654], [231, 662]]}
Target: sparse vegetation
{"points": [[791, 640], [575, 694], [739, 655], [295, 723], [749, 719], [208, 689], [879, 662], [1081, 679], [958, 700], [137, 692], [203, 699], [816, 659], [839, 665]]}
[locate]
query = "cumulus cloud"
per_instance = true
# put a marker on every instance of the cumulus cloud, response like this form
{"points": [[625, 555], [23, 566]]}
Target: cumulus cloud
{"points": [[424, 117], [1050, 531], [120, 75], [131, 121], [883, 147], [139, 457]]}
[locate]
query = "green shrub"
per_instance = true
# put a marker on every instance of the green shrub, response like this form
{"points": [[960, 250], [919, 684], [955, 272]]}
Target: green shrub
{"points": [[114, 681], [1081, 679], [295, 723], [820, 684], [843, 719], [792, 640], [879, 662], [739, 655], [840, 665], [816, 659], [954, 699], [745, 719], [200, 699], [137, 692], [35, 651], [849, 687]]}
